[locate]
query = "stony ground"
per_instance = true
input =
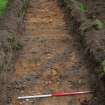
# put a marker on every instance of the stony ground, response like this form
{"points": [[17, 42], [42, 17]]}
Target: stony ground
{"points": [[51, 59]]}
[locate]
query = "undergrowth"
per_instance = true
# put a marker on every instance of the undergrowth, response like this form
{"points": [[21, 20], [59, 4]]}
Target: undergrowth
{"points": [[15, 44]]}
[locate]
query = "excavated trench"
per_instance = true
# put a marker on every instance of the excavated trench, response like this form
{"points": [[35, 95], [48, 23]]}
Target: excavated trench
{"points": [[51, 60]]}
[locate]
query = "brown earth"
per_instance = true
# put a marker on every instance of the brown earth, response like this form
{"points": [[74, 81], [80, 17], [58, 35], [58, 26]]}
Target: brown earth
{"points": [[51, 59]]}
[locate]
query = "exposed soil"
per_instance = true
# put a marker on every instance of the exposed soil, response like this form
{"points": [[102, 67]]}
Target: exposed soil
{"points": [[51, 60]]}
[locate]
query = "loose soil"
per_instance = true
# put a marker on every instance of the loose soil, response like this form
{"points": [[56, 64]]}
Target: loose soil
{"points": [[51, 60]]}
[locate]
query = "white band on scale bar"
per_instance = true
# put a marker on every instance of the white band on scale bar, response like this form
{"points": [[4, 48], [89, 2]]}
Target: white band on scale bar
{"points": [[37, 96]]}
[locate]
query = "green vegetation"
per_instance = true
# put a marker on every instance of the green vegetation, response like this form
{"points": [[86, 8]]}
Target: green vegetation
{"points": [[103, 66], [99, 24], [3, 5], [82, 7]]}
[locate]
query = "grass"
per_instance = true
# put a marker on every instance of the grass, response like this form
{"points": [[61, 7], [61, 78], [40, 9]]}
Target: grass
{"points": [[3, 5]]}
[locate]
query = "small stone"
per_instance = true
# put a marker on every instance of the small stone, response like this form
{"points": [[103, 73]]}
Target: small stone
{"points": [[49, 56], [50, 21], [54, 72], [80, 81], [22, 91], [38, 64], [27, 99], [46, 82]]}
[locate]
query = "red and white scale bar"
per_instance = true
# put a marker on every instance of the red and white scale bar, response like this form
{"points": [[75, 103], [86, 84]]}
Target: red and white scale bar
{"points": [[55, 95]]}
